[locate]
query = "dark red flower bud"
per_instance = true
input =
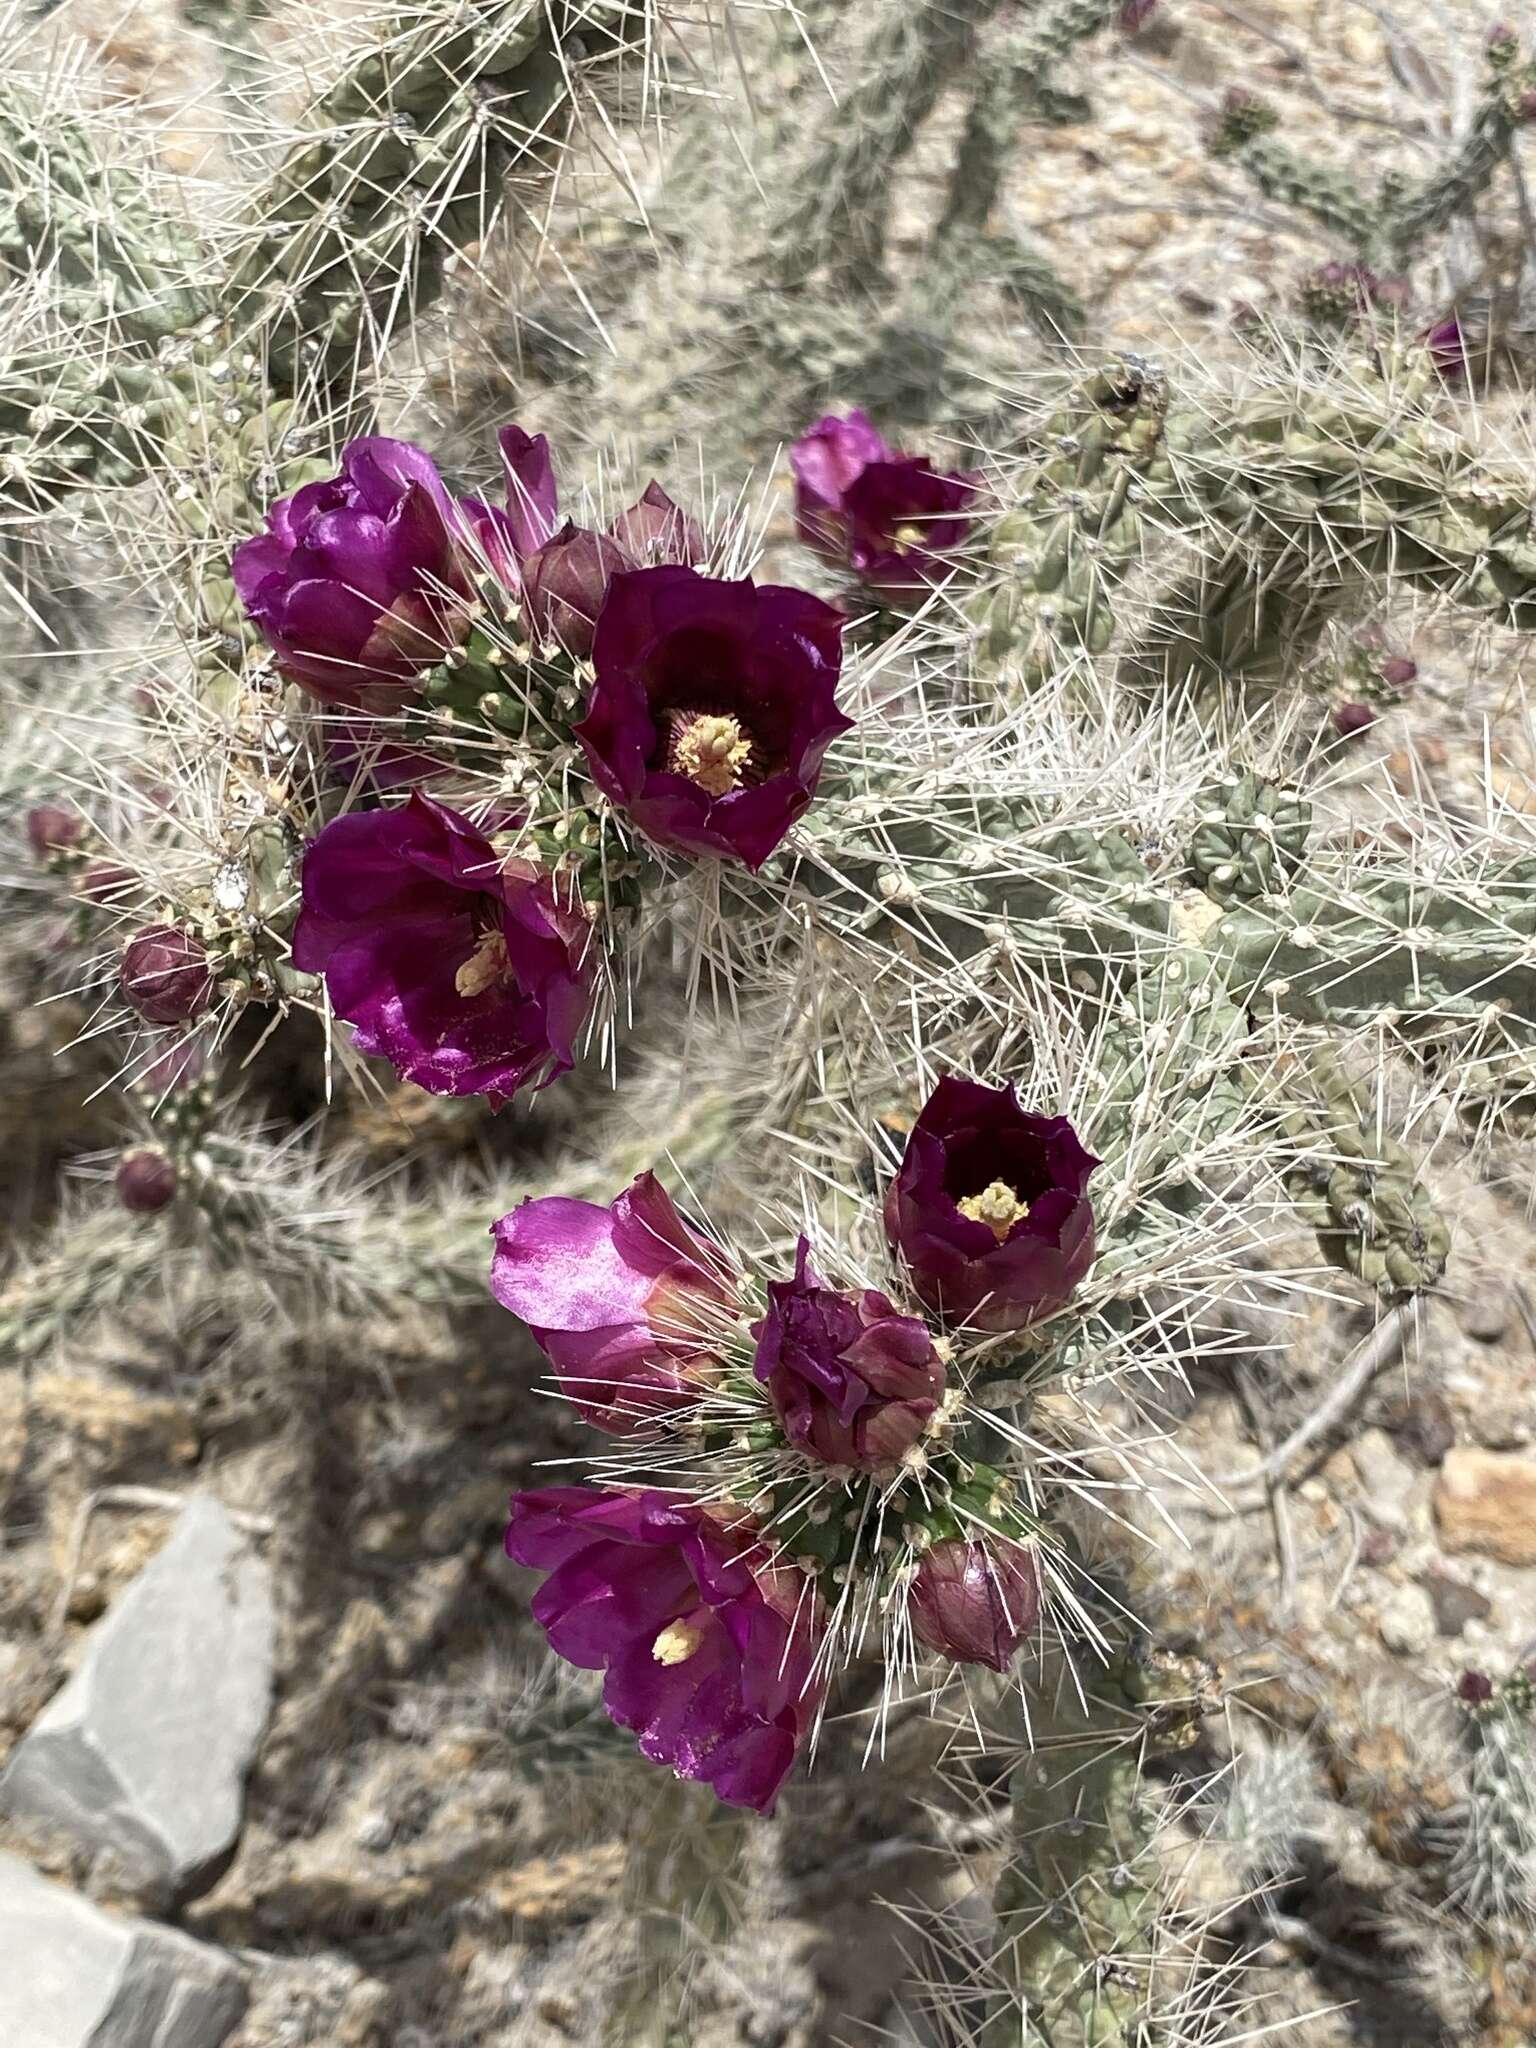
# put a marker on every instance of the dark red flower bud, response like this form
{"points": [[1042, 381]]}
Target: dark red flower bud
{"points": [[165, 975], [1397, 671], [655, 530], [1475, 1688], [145, 1180], [975, 1602], [1352, 718], [104, 881], [565, 582], [53, 829], [854, 1383]]}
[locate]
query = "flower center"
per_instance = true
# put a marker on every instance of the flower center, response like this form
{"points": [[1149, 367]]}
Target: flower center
{"points": [[908, 535], [484, 967], [710, 748], [676, 1642], [998, 1206]]}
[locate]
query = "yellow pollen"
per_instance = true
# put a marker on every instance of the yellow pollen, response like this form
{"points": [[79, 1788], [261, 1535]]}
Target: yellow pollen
{"points": [[677, 1642], [484, 967], [908, 536], [711, 750], [998, 1206]]}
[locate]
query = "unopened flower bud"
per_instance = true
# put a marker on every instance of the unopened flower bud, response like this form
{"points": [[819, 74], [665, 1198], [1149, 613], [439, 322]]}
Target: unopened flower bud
{"points": [[1398, 671], [165, 975], [145, 1180], [975, 1602], [1474, 1688], [1352, 718], [52, 829]]}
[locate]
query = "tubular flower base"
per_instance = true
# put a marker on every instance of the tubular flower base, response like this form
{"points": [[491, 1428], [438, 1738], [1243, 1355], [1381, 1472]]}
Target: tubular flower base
{"points": [[854, 1382], [708, 1644], [713, 706], [470, 973], [990, 1208], [619, 1298]]}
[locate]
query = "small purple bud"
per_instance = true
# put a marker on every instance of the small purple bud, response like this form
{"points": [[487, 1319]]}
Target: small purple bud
{"points": [[565, 582], [1356, 717], [975, 1602], [104, 881], [1475, 1688], [53, 829], [145, 1180], [1398, 671], [165, 975]]}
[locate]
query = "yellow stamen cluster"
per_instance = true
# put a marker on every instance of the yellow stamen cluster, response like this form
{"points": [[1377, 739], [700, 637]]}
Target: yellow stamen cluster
{"points": [[484, 967], [711, 749], [998, 1206], [676, 1642]]}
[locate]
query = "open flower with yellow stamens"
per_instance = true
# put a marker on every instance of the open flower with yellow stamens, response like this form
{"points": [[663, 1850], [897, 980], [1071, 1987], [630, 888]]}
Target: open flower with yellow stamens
{"points": [[713, 705], [709, 1643], [990, 1207], [892, 517], [470, 973]]}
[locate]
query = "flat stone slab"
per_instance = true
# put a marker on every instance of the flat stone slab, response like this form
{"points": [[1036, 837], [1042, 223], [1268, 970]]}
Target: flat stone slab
{"points": [[144, 1752], [76, 1976]]}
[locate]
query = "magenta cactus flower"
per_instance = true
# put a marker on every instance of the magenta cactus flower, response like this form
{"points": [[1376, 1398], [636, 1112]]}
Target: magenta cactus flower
{"points": [[892, 517], [165, 975], [709, 1644], [622, 1298], [469, 972], [975, 1601], [145, 1180], [713, 705], [990, 1208], [854, 1383], [363, 580]]}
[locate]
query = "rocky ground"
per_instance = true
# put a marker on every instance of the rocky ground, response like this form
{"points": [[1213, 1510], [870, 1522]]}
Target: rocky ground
{"points": [[284, 1762]]}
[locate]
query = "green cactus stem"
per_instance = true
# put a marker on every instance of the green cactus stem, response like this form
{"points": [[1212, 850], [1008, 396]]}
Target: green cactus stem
{"points": [[1080, 1905], [1251, 839]]}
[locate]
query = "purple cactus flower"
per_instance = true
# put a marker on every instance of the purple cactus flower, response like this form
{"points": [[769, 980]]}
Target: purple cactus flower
{"points": [[145, 1180], [713, 705], [990, 1207], [470, 973], [854, 1382], [362, 581], [709, 1644], [975, 1602], [165, 975], [621, 1298], [891, 517]]}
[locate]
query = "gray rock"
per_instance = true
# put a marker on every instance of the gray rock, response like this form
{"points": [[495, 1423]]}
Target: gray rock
{"points": [[143, 1754], [75, 1976]]}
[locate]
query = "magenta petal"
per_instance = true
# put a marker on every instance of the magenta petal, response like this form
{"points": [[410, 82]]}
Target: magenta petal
{"points": [[557, 1266]]}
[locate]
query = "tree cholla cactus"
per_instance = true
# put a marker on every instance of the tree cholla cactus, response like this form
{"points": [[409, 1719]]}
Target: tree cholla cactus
{"points": [[1016, 984]]}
